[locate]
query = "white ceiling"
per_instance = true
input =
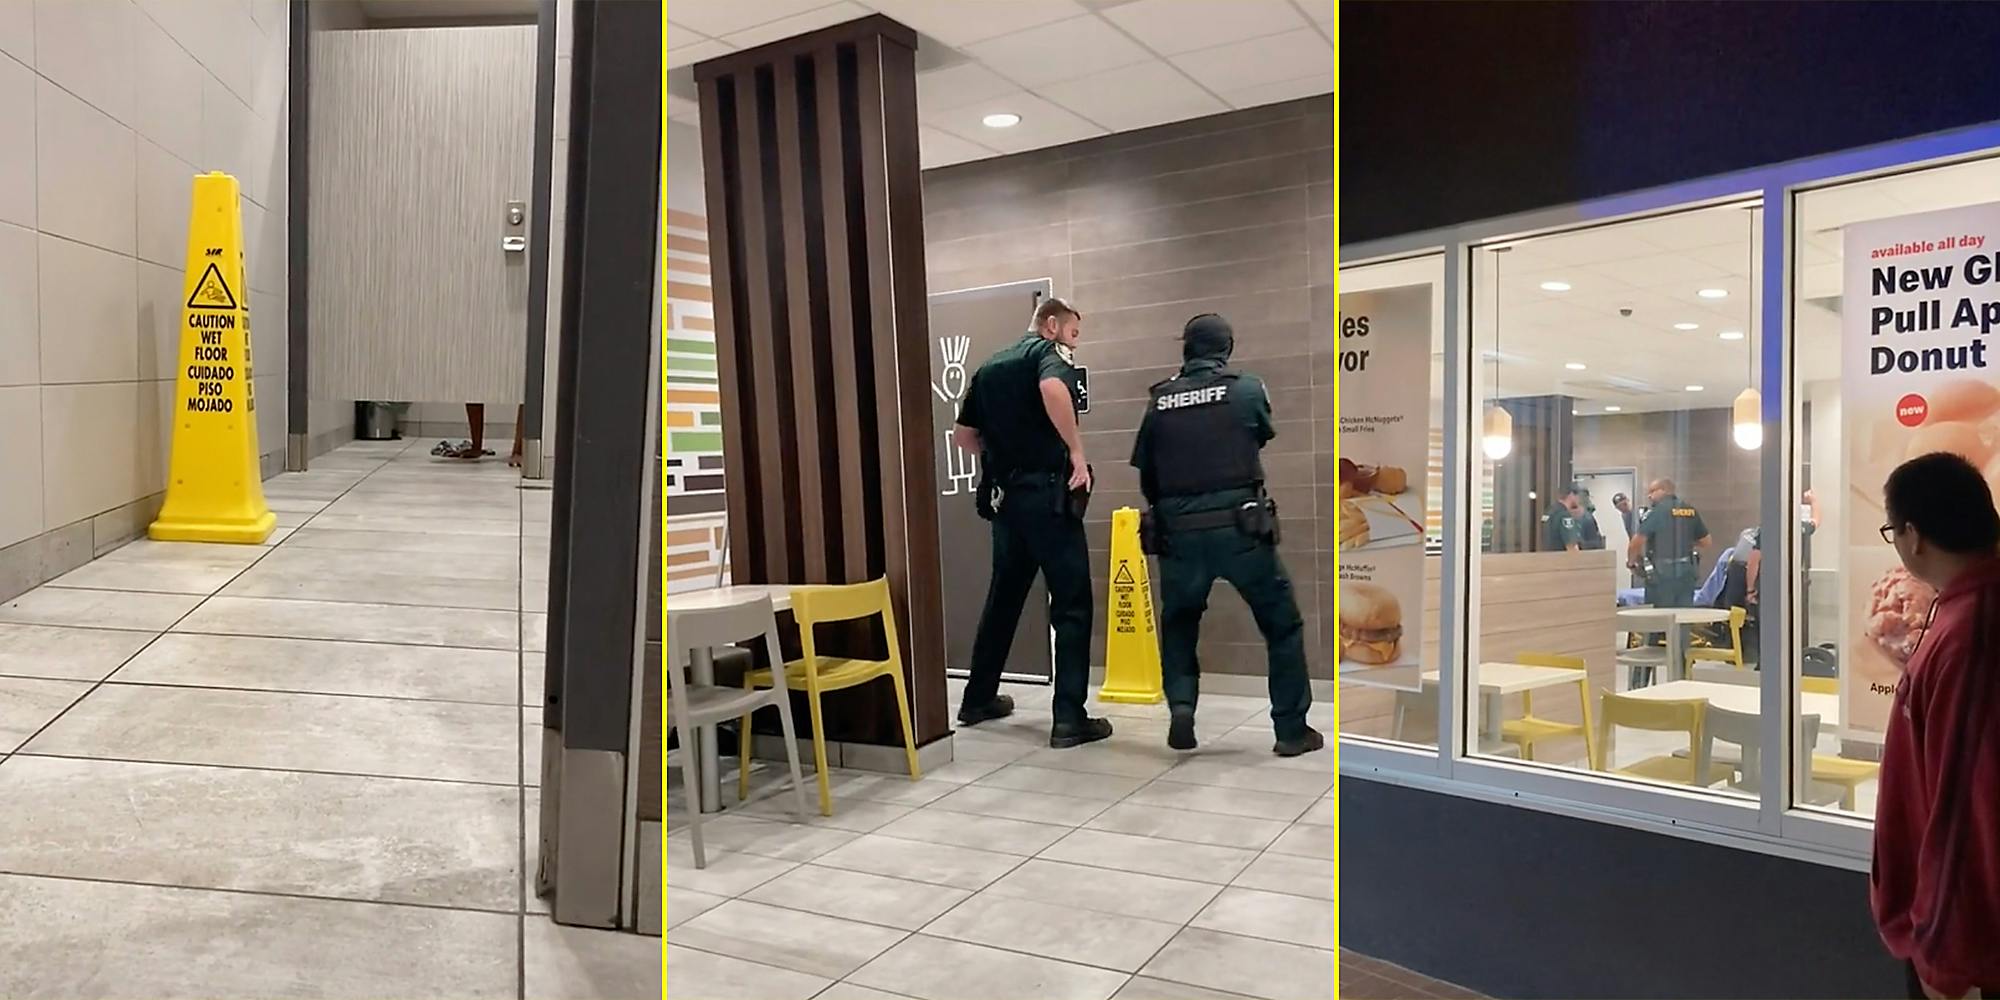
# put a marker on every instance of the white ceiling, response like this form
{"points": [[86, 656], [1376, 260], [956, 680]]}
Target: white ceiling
{"points": [[1072, 69], [1654, 267]]}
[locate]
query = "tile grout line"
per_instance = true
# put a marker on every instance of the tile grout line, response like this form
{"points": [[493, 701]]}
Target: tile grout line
{"points": [[289, 692], [259, 893], [100, 682], [921, 931]]}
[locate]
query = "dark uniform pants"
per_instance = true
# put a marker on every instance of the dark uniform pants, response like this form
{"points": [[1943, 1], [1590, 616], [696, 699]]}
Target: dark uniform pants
{"points": [[1030, 536], [1189, 569], [1672, 584]]}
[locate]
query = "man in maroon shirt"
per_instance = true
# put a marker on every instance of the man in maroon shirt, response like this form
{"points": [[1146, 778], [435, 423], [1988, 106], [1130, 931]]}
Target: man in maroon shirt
{"points": [[1936, 881]]}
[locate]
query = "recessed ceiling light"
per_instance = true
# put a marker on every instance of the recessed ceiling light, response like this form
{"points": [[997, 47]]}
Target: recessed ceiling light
{"points": [[1731, 335], [1714, 293], [1696, 388], [1555, 286], [1576, 366], [1002, 119], [1687, 326], [1575, 412], [1613, 409]]}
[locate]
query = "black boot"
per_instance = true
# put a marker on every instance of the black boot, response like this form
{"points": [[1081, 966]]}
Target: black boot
{"points": [[1065, 735], [1000, 707], [1180, 732], [1310, 741]]}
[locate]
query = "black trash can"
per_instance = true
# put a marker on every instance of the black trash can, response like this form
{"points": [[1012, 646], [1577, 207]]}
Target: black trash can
{"points": [[376, 421]]}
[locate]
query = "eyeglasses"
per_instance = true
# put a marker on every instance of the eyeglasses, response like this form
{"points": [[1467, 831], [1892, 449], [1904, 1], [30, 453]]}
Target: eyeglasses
{"points": [[1889, 533]]}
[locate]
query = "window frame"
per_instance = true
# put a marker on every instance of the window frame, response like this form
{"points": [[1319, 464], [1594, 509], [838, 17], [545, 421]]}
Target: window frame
{"points": [[1776, 822]]}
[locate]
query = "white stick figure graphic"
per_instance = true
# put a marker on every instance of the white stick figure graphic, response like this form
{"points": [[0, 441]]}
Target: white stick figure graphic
{"points": [[961, 466]]}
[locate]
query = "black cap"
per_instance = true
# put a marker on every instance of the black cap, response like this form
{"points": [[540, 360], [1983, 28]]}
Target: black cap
{"points": [[1619, 498], [1207, 336]]}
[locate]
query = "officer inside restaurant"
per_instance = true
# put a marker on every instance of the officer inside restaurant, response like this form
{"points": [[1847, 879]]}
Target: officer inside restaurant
{"points": [[1633, 537]]}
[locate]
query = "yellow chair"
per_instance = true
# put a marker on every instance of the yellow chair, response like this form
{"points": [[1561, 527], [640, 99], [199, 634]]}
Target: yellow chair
{"points": [[1528, 730], [1820, 685], [1732, 653], [1848, 775], [815, 675], [1653, 715]]}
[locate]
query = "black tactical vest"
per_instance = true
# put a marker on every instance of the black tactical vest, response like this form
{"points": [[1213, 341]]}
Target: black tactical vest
{"points": [[1200, 442]]}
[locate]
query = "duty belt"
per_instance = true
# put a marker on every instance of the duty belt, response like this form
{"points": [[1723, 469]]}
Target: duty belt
{"points": [[1201, 520]]}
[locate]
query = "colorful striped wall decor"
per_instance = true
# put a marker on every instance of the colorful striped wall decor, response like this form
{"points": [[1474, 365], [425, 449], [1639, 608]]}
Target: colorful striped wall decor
{"points": [[696, 537]]}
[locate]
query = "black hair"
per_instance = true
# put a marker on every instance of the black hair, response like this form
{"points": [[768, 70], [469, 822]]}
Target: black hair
{"points": [[1946, 499]]}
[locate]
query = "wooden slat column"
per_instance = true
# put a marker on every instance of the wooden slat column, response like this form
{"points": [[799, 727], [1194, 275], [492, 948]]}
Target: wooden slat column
{"points": [[815, 210]]}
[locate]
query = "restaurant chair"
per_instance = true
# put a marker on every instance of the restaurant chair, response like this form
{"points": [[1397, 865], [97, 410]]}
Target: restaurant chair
{"points": [[1820, 685], [1658, 716], [1743, 729], [1421, 706], [1529, 730], [815, 675], [698, 706], [1731, 654], [1642, 664]]}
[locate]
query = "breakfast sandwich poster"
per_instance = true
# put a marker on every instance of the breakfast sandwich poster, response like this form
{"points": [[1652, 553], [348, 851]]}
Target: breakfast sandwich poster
{"points": [[1385, 370], [1919, 304]]}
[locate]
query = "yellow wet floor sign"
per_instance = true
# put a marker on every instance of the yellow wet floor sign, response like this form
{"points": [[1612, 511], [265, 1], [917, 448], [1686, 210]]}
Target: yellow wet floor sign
{"points": [[215, 488], [1131, 646]]}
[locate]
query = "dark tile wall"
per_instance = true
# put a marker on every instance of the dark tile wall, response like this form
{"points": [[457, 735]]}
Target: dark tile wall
{"points": [[1230, 214], [1691, 447]]}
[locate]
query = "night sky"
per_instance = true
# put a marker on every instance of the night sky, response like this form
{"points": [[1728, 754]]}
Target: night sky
{"points": [[1456, 111]]}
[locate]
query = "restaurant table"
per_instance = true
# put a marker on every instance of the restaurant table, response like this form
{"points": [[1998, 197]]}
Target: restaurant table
{"points": [[1674, 622], [1744, 699], [702, 667], [1499, 679]]}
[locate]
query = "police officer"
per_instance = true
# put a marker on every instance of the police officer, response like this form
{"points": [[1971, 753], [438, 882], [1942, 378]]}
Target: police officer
{"points": [[1019, 416], [1197, 456], [1560, 530], [1669, 536], [1586, 522]]}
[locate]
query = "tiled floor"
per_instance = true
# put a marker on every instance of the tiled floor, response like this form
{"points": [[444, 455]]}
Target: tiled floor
{"points": [[1364, 978], [1120, 869], [294, 770]]}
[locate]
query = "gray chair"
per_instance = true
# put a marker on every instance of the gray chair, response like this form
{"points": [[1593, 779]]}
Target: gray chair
{"points": [[698, 706], [1745, 731]]}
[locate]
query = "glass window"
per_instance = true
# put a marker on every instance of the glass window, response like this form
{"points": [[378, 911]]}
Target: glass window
{"points": [[1391, 497], [1616, 611], [1859, 613]]}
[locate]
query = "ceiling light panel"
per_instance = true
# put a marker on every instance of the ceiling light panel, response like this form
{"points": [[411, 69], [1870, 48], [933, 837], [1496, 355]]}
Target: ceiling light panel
{"points": [[1065, 50], [1171, 27]]}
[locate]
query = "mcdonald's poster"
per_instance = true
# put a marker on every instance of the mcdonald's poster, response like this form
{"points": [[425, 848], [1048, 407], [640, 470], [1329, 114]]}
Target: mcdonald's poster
{"points": [[1385, 350]]}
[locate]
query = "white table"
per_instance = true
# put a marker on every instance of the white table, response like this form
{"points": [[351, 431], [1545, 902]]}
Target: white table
{"points": [[1672, 621], [1498, 680], [722, 597], [1744, 699], [702, 667]]}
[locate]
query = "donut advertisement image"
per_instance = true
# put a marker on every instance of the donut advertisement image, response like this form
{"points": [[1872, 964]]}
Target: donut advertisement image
{"points": [[1920, 302]]}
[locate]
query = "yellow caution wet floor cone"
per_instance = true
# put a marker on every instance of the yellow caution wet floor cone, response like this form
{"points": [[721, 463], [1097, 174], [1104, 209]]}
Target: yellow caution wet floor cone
{"points": [[215, 488], [1131, 645]]}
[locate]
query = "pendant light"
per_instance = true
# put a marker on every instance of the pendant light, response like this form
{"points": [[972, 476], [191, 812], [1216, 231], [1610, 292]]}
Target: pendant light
{"points": [[1498, 440], [1746, 422]]}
